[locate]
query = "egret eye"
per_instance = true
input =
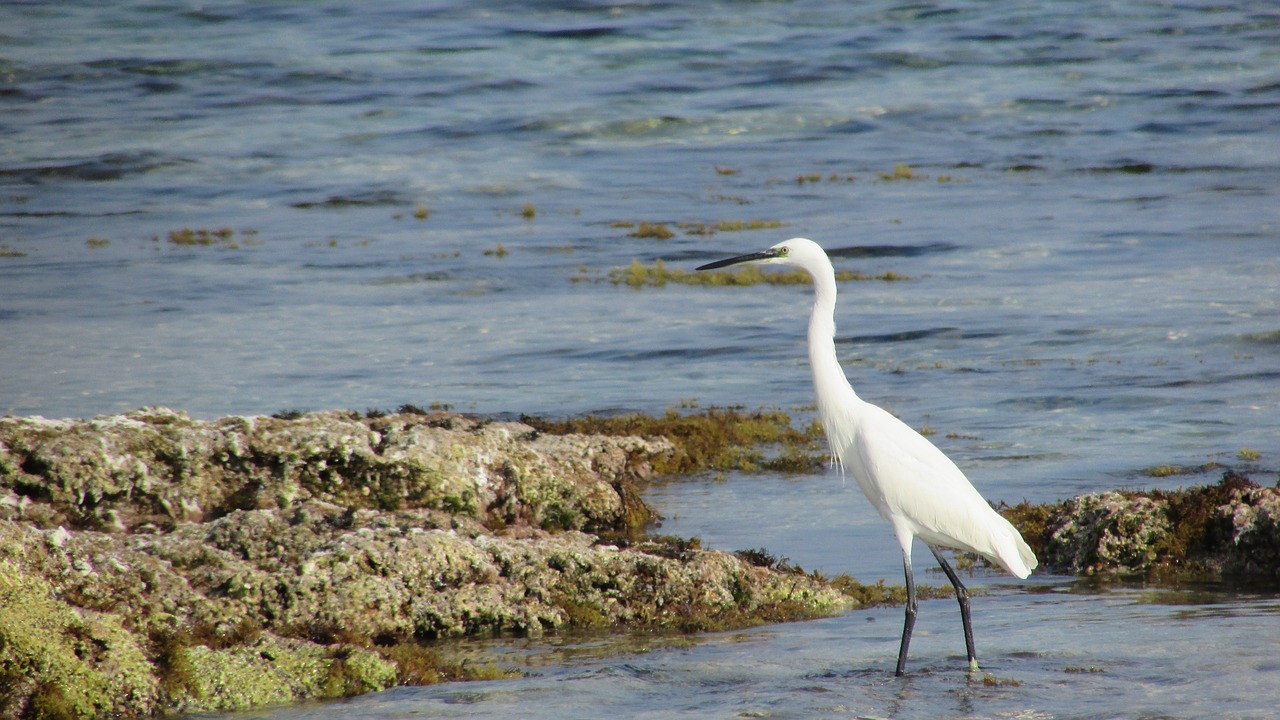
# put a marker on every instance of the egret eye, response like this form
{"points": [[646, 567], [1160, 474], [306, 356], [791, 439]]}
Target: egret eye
{"points": [[782, 251]]}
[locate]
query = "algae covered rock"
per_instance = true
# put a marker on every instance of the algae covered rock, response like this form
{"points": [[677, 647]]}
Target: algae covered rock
{"points": [[66, 660], [1250, 523], [270, 670], [1225, 530], [152, 563], [154, 468], [1107, 532]]}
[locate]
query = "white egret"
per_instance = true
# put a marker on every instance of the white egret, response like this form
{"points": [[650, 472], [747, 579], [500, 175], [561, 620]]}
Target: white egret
{"points": [[911, 483]]}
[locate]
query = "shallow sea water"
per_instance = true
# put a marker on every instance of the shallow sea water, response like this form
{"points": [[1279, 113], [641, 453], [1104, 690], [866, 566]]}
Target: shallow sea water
{"points": [[1092, 239], [1051, 652]]}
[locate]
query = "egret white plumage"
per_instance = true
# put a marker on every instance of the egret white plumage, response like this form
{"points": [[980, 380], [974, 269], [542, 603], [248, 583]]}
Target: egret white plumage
{"points": [[908, 480]]}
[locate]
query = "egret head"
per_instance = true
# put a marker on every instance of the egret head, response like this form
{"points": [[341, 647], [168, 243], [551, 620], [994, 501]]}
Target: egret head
{"points": [[797, 252]]}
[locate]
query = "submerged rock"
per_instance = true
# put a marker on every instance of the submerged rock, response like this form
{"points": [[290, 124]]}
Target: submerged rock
{"points": [[153, 563]]}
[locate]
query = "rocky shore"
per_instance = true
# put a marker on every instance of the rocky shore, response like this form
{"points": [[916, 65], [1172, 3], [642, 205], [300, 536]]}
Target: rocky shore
{"points": [[152, 564]]}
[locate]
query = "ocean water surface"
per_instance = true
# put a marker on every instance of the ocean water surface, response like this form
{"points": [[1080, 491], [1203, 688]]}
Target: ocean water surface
{"points": [[243, 208]]}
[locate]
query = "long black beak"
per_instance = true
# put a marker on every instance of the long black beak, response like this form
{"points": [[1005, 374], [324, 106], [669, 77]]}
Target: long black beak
{"points": [[763, 255]]}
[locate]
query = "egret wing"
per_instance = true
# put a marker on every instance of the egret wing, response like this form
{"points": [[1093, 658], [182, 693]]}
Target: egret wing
{"points": [[912, 482]]}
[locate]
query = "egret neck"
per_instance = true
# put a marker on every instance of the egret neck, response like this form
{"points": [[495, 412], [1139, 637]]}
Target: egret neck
{"points": [[835, 396]]}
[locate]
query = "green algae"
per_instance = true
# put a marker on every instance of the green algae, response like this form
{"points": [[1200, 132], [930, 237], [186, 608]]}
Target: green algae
{"points": [[60, 662], [662, 231], [646, 229], [993, 681], [817, 177], [701, 228], [201, 236], [223, 237], [639, 275], [901, 171], [270, 670], [713, 439], [419, 663], [1164, 471]]}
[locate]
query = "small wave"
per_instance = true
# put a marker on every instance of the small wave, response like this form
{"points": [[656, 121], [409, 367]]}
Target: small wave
{"points": [[658, 125], [1269, 375], [1269, 88], [110, 166], [910, 60], [372, 198], [169, 67], [577, 33], [912, 335], [882, 251], [637, 356], [1253, 107], [1140, 167], [411, 279], [1126, 167]]}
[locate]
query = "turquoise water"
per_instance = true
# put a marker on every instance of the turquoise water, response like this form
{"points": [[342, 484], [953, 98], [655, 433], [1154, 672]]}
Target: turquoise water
{"points": [[1092, 237]]}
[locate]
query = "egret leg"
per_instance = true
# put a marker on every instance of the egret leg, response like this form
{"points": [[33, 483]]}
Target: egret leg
{"points": [[910, 622], [962, 596]]}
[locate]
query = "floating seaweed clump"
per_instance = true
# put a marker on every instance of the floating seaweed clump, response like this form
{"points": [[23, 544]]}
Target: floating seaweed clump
{"points": [[223, 237], [658, 274], [647, 229], [700, 228], [901, 171], [816, 177], [661, 231]]}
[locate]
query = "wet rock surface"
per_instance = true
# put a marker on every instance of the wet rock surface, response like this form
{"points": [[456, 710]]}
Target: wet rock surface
{"points": [[152, 563]]}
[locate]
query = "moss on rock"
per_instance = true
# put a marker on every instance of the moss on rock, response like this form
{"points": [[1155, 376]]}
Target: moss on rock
{"points": [[270, 670], [57, 660]]}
